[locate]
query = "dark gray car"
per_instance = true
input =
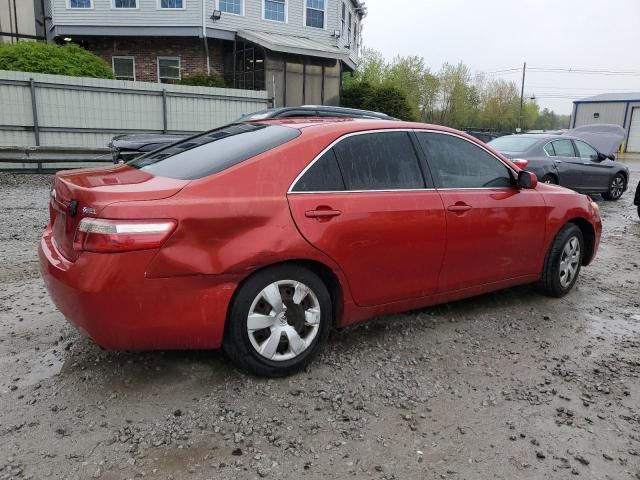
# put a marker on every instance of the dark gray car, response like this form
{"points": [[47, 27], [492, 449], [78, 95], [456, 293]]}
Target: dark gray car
{"points": [[568, 161]]}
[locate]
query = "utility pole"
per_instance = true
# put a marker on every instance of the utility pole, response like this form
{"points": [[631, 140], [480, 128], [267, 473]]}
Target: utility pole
{"points": [[524, 72]]}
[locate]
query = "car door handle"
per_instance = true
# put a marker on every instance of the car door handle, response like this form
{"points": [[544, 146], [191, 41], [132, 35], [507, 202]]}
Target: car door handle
{"points": [[558, 161], [322, 213], [459, 207]]}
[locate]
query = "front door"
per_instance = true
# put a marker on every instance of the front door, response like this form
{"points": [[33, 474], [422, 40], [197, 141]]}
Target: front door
{"points": [[597, 173], [365, 204], [494, 230]]}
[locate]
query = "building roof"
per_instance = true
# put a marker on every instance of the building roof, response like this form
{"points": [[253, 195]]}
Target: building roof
{"points": [[278, 42], [612, 97]]}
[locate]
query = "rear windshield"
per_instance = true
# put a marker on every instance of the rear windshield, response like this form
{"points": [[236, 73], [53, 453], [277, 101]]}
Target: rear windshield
{"points": [[214, 151], [513, 143]]}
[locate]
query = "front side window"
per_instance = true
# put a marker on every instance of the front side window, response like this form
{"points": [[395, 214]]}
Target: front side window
{"points": [[169, 69], [563, 148], [172, 3], [379, 161], [323, 176], [231, 6], [586, 151], [214, 151], [458, 163], [124, 68], [315, 13], [80, 3], [125, 3], [275, 10]]}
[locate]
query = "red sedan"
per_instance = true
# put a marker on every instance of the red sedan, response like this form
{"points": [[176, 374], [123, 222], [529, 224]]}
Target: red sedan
{"points": [[258, 237]]}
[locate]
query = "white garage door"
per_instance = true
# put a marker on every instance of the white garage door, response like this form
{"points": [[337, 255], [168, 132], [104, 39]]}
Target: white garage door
{"points": [[634, 132]]}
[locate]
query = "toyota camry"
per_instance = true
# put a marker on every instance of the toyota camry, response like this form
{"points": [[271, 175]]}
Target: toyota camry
{"points": [[259, 237]]}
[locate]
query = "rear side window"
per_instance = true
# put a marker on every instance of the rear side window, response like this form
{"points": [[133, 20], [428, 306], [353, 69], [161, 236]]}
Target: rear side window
{"points": [[379, 161], [458, 163], [323, 176], [549, 149], [563, 148], [214, 151]]}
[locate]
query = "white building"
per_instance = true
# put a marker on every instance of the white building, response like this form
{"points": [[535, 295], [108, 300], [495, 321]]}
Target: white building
{"points": [[618, 108]]}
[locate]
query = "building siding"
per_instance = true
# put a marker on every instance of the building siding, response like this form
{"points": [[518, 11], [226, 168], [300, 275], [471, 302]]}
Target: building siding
{"points": [[609, 113], [149, 15]]}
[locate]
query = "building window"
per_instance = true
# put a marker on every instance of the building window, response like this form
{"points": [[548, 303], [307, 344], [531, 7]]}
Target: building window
{"points": [[172, 3], [231, 6], [169, 69], [275, 10], [315, 13], [80, 3], [344, 19], [596, 115], [125, 3], [124, 68], [355, 35], [349, 32]]}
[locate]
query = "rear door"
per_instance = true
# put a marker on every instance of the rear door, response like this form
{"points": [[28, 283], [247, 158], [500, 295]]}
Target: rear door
{"points": [[367, 204], [569, 165], [495, 231]]}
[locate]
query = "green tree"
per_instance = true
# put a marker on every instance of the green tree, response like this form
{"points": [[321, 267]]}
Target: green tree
{"points": [[39, 57]]}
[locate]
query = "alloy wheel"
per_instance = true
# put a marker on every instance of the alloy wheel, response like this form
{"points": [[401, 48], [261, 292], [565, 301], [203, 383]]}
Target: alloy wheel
{"points": [[617, 187], [569, 262], [283, 320]]}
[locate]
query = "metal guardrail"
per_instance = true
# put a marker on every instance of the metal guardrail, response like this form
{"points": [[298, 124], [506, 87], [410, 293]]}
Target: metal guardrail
{"points": [[51, 159]]}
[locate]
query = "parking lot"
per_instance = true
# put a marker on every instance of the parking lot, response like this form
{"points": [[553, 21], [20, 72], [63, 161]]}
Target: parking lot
{"points": [[507, 385]]}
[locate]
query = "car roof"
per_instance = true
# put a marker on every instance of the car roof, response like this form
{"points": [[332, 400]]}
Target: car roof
{"points": [[354, 124]]}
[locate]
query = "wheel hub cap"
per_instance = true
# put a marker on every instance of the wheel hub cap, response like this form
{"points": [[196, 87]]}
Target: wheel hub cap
{"points": [[283, 320], [569, 262]]}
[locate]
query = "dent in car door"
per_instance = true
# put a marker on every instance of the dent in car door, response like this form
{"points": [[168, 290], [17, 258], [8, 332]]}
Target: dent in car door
{"points": [[378, 223], [494, 230]]}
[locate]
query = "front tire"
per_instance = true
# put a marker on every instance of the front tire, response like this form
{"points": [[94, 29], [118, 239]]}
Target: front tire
{"points": [[278, 321], [616, 188], [563, 261]]}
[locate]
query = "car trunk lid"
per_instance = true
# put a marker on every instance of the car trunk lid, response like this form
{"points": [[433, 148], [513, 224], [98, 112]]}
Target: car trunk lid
{"points": [[80, 193]]}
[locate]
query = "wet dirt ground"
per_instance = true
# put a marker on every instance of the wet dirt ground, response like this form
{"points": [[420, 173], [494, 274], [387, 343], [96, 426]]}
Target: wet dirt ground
{"points": [[506, 385]]}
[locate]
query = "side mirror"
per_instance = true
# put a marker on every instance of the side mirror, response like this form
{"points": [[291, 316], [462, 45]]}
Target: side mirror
{"points": [[601, 157], [527, 179], [611, 157]]}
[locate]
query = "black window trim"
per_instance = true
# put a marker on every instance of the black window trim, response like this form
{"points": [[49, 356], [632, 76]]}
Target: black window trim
{"points": [[426, 176]]}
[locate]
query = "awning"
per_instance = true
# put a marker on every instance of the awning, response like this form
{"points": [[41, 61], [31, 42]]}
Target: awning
{"points": [[297, 45]]}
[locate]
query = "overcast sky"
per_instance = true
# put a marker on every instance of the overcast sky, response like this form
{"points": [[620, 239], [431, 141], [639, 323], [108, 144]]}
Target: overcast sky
{"points": [[490, 35]]}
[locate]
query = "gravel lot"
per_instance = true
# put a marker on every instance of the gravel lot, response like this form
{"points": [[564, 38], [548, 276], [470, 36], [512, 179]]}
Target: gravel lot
{"points": [[507, 385]]}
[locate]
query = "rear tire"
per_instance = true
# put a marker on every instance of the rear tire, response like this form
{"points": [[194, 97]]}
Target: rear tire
{"points": [[279, 321], [549, 179], [616, 187], [563, 261]]}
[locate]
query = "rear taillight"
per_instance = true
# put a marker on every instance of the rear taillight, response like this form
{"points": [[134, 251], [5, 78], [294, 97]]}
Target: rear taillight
{"points": [[102, 235], [520, 162]]}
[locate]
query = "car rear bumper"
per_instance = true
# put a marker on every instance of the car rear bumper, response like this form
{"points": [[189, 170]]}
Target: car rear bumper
{"points": [[109, 298]]}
